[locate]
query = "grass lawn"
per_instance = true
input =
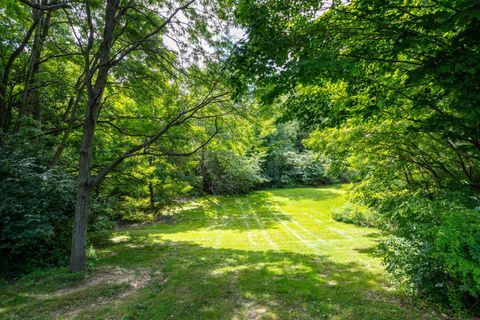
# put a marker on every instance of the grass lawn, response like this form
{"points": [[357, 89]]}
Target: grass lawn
{"points": [[273, 254]]}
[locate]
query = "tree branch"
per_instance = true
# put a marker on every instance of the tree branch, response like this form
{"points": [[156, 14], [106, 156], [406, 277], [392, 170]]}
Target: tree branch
{"points": [[126, 50], [47, 7]]}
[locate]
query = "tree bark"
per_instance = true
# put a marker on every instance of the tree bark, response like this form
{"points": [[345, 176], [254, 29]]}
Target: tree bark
{"points": [[151, 192], [78, 258], [4, 108]]}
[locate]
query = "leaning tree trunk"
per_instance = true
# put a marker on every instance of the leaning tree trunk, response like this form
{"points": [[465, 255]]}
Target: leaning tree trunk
{"points": [[33, 94], [30, 74]]}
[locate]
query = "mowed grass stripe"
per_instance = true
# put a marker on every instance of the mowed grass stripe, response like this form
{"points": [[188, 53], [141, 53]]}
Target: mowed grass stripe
{"points": [[272, 245], [303, 229], [315, 216], [294, 233], [256, 229], [335, 230], [237, 257], [219, 224], [252, 242], [232, 229]]}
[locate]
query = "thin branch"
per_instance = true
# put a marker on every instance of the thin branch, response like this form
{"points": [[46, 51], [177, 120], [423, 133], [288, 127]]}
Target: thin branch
{"points": [[134, 46]]}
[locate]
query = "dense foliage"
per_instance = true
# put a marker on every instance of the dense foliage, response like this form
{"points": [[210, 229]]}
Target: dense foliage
{"points": [[124, 106], [435, 246], [36, 210], [224, 172], [275, 158], [388, 93], [359, 215], [287, 162], [116, 111]]}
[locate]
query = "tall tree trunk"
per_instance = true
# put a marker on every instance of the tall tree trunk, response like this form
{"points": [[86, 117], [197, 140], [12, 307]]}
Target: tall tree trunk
{"points": [[30, 99], [78, 259], [151, 192], [4, 108], [34, 97], [98, 72]]}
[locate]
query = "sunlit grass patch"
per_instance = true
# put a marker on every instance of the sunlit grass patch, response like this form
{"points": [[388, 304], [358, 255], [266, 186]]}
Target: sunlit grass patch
{"points": [[275, 254]]}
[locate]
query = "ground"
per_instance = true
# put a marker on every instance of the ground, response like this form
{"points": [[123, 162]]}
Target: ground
{"points": [[273, 254]]}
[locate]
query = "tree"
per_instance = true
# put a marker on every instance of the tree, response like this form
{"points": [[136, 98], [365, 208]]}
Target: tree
{"points": [[123, 35], [389, 90], [109, 82], [412, 64]]}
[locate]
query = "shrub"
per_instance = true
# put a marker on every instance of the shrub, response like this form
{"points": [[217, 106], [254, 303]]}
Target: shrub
{"points": [[36, 210], [457, 246], [225, 172], [289, 168], [435, 248], [103, 214], [357, 214]]}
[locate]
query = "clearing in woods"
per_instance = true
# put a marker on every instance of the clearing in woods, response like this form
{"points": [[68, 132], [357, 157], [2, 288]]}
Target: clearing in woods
{"points": [[273, 254]]}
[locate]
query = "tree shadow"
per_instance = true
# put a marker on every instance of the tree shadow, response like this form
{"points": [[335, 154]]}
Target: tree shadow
{"points": [[189, 281], [230, 212], [375, 235], [296, 194], [184, 280], [372, 251]]}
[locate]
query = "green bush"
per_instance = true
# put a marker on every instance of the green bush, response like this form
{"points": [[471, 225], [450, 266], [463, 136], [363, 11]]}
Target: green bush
{"points": [[103, 214], [36, 210], [435, 248], [224, 172], [457, 246], [289, 168], [359, 215]]}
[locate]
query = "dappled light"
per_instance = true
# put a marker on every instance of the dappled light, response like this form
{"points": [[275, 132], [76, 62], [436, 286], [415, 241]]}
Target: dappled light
{"points": [[268, 255], [249, 159]]}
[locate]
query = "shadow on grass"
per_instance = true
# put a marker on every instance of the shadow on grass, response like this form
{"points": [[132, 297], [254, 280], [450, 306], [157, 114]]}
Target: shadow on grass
{"points": [[328, 192], [189, 281], [375, 235], [183, 280], [229, 212], [372, 251]]}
